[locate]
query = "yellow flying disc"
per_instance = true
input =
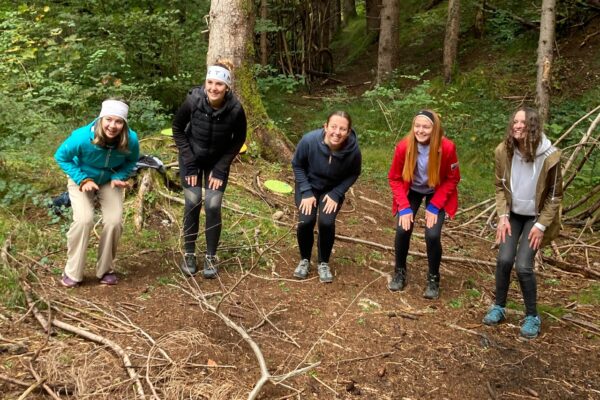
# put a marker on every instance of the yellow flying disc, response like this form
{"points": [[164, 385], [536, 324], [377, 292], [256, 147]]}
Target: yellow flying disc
{"points": [[278, 186], [167, 132]]}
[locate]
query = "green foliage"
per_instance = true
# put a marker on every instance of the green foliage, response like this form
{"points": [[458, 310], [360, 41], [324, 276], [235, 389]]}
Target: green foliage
{"points": [[268, 78], [591, 295], [11, 295]]}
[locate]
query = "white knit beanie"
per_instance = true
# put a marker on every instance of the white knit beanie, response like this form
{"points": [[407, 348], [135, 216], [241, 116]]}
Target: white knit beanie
{"points": [[115, 108]]}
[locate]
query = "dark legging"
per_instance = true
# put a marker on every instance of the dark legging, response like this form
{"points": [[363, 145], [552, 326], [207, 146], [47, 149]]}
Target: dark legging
{"points": [[516, 251], [306, 226], [433, 236], [191, 217]]}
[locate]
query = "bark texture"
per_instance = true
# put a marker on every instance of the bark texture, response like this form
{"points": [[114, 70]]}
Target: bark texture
{"points": [[389, 46], [451, 38], [544, 58]]}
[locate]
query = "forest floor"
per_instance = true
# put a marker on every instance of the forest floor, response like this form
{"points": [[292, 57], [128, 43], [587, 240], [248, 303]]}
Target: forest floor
{"points": [[371, 343]]}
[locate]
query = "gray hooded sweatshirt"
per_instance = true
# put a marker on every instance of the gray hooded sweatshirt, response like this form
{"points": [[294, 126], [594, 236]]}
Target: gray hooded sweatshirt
{"points": [[524, 177]]}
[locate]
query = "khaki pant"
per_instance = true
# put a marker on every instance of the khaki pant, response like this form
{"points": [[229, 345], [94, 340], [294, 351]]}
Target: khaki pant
{"points": [[78, 237]]}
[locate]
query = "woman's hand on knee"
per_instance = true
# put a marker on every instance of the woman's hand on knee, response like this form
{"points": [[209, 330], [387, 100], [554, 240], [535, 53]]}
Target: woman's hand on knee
{"points": [[330, 204], [503, 230], [214, 183], [307, 205], [89, 186], [191, 180], [535, 238], [405, 221], [119, 184], [430, 219]]}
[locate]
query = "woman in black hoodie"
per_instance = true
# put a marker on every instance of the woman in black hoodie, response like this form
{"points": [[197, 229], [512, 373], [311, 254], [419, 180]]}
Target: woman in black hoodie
{"points": [[326, 163], [209, 130]]}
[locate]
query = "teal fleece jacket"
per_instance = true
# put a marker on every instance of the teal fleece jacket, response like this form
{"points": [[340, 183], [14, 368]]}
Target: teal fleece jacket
{"points": [[80, 159]]}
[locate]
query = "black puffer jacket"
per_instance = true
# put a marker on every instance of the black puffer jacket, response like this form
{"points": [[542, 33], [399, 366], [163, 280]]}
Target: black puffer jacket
{"points": [[208, 138]]}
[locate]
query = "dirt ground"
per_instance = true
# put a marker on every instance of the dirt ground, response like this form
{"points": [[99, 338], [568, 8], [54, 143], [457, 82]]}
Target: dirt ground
{"points": [[370, 343]]}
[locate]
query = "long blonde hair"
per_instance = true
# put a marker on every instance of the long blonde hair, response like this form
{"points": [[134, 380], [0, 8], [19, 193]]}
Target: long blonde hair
{"points": [[435, 153]]}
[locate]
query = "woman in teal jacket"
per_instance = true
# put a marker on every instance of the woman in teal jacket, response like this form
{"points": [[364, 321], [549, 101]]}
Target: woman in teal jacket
{"points": [[97, 159]]}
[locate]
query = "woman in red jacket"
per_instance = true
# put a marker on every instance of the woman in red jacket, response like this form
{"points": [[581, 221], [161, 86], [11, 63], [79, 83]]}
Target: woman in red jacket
{"points": [[425, 165]]}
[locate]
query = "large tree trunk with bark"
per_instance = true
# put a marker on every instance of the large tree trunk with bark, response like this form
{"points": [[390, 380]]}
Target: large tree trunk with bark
{"points": [[544, 58], [389, 46], [231, 32], [451, 38], [349, 10], [373, 15]]}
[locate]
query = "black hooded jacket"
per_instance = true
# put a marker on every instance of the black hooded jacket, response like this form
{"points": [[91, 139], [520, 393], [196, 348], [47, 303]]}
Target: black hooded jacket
{"points": [[208, 138], [318, 168]]}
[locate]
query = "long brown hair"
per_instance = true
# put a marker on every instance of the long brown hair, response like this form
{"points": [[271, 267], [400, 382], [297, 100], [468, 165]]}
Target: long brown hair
{"points": [[435, 153], [121, 141], [533, 137]]}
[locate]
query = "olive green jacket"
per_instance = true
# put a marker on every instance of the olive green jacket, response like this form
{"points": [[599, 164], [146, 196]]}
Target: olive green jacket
{"points": [[548, 193]]}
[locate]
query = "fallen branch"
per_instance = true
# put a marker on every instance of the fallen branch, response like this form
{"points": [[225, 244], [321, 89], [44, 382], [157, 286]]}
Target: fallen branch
{"points": [[415, 253], [572, 268], [92, 337], [145, 187]]}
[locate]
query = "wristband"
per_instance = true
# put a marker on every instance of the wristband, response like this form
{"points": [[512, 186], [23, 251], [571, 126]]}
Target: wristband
{"points": [[433, 209], [405, 211]]}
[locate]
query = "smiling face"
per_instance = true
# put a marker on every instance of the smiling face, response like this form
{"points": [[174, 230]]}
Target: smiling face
{"points": [[215, 91], [337, 130], [519, 127], [422, 127], [112, 126]]}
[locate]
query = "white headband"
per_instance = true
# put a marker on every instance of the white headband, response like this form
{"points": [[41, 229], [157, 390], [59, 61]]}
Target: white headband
{"points": [[219, 74], [115, 108]]}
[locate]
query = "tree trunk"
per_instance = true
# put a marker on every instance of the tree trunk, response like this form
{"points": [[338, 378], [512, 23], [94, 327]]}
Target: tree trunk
{"points": [[264, 56], [451, 39], [373, 15], [544, 59], [231, 32], [336, 16], [349, 10], [389, 46]]}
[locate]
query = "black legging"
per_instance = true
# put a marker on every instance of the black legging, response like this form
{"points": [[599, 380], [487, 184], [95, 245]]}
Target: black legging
{"points": [[433, 236], [306, 226], [516, 251], [191, 217]]}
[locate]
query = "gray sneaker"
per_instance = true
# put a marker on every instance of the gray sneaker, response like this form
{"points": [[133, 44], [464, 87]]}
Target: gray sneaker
{"points": [[325, 273], [301, 271], [188, 265], [210, 267]]}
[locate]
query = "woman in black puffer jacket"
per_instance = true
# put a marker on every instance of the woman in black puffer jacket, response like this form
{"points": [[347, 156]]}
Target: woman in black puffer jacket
{"points": [[209, 130]]}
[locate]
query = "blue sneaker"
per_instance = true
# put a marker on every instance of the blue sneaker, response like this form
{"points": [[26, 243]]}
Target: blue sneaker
{"points": [[494, 316], [531, 326]]}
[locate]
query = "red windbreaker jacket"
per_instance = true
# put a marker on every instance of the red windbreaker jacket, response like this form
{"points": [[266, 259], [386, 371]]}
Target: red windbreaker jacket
{"points": [[445, 194]]}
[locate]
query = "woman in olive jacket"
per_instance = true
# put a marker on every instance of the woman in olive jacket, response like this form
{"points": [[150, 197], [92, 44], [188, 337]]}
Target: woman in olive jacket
{"points": [[528, 197]]}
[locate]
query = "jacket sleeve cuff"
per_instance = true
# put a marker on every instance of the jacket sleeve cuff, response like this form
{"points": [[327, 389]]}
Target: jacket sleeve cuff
{"points": [[540, 226], [405, 211], [433, 209]]}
